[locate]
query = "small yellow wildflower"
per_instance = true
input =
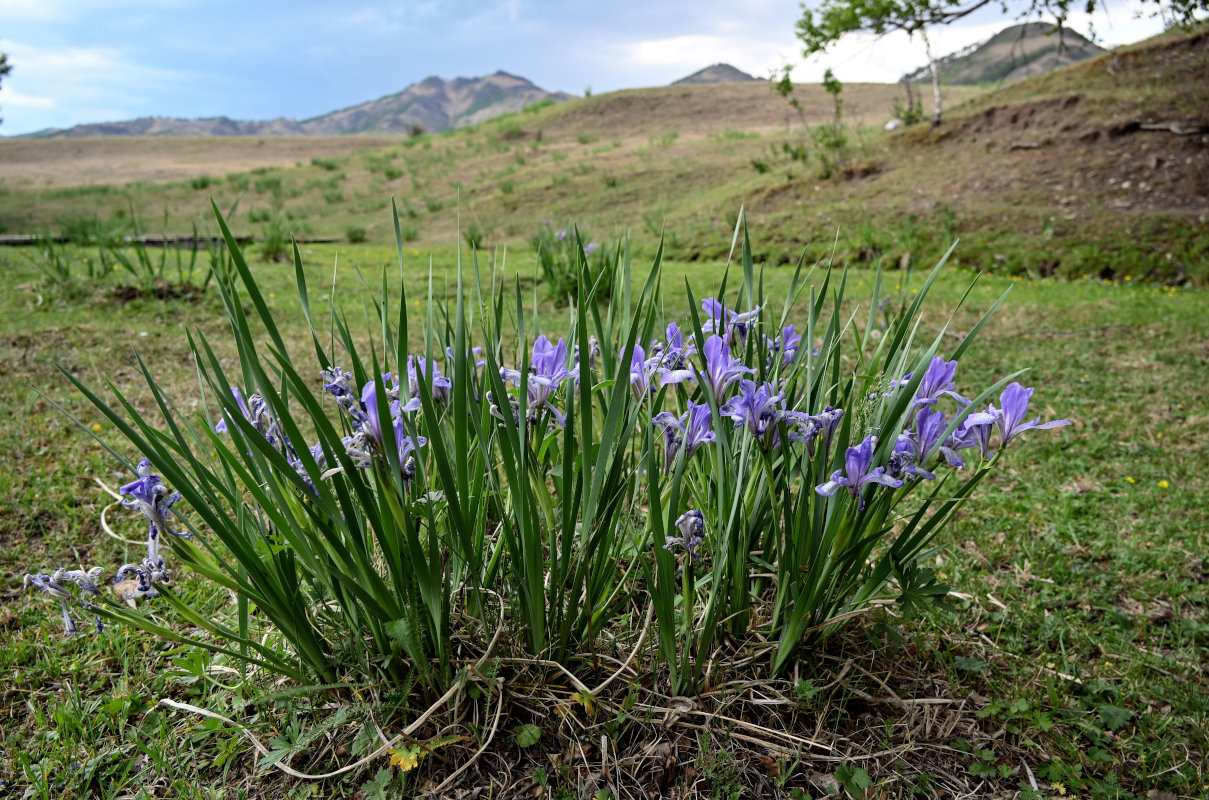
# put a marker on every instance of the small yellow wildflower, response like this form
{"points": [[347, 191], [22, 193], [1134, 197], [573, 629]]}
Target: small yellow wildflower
{"points": [[1164, 484], [1130, 479], [96, 426], [272, 295]]}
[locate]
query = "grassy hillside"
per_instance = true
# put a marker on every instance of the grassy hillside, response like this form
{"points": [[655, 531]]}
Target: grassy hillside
{"points": [[1057, 174]]}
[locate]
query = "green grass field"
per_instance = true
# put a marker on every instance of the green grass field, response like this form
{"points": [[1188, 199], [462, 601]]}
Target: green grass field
{"points": [[1070, 656]]}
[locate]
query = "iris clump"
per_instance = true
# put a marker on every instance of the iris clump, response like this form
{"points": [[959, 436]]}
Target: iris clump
{"points": [[561, 476]]}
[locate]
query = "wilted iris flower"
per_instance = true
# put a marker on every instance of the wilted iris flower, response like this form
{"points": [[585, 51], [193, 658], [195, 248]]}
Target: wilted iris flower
{"points": [[691, 525], [857, 472], [151, 497], [417, 370], [256, 411], [56, 584], [341, 384], [687, 433]]}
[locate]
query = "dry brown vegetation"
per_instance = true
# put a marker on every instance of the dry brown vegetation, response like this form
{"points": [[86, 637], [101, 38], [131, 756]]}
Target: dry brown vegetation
{"points": [[120, 159]]}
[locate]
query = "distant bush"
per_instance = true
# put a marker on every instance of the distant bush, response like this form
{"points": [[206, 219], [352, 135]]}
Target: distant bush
{"points": [[562, 254], [506, 187], [333, 197], [731, 135], [275, 239], [537, 106], [329, 164], [259, 215], [474, 235], [391, 173], [267, 185], [433, 204], [512, 131], [201, 182], [238, 181], [587, 138], [355, 234]]}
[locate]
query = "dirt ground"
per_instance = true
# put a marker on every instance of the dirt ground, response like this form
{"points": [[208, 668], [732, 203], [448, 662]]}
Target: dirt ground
{"points": [[124, 159]]}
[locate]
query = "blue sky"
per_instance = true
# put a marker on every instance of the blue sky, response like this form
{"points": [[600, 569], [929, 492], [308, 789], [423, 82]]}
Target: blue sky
{"points": [[77, 61]]}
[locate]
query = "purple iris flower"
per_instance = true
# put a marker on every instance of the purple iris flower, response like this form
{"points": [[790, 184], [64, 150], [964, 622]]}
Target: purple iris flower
{"points": [[547, 372], [221, 427], [1015, 399], [975, 431], [857, 473], [688, 432], [256, 411], [720, 369], [784, 347], [473, 355], [830, 418], [56, 584], [904, 460], [671, 355], [937, 381], [641, 372], [417, 370], [406, 445], [930, 425], [370, 437], [372, 425], [758, 408], [732, 325], [691, 525]]}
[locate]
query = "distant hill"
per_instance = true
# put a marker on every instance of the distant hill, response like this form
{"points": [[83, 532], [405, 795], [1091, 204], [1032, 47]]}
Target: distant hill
{"points": [[435, 105], [717, 73], [431, 105], [1016, 52]]}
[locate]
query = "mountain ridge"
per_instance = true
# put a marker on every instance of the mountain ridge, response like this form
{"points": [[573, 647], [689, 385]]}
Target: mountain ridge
{"points": [[430, 105], [1029, 48], [717, 73]]}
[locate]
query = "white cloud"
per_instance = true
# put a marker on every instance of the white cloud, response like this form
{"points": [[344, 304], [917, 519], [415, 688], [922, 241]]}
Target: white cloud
{"points": [[63, 86], [11, 99]]}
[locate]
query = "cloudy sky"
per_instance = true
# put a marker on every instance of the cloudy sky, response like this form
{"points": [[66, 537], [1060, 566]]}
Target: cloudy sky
{"points": [[77, 61]]}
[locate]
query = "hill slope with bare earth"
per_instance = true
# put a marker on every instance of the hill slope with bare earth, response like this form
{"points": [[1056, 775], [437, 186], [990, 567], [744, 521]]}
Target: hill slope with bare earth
{"points": [[1101, 168], [1032, 48]]}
